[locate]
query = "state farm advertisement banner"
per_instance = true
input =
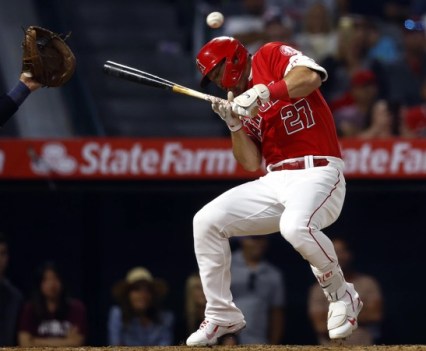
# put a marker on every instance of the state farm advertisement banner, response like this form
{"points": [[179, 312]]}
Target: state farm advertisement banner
{"points": [[126, 158], [111, 158], [396, 158]]}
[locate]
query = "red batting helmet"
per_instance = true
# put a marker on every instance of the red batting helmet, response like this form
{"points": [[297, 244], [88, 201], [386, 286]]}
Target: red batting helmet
{"points": [[221, 49]]}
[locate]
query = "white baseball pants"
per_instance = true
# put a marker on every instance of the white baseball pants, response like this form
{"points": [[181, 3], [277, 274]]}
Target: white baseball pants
{"points": [[297, 203]]}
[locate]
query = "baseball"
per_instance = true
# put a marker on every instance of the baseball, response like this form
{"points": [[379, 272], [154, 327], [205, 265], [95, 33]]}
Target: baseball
{"points": [[215, 20]]}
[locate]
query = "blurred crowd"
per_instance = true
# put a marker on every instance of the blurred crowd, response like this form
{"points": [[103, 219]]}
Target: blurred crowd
{"points": [[138, 315], [374, 52]]}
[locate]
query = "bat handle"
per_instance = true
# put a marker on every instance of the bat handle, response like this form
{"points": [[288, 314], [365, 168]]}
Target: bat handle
{"points": [[215, 99], [197, 94]]}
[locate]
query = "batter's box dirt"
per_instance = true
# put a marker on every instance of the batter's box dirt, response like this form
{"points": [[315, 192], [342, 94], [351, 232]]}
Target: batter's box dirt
{"points": [[230, 348]]}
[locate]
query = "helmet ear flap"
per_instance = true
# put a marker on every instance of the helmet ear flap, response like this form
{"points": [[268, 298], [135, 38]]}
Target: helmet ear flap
{"points": [[206, 80]]}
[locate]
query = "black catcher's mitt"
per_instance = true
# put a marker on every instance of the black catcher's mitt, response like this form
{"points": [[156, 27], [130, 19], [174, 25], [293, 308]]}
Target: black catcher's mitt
{"points": [[46, 57]]}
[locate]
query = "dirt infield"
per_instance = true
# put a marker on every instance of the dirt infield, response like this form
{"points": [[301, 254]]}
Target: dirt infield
{"points": [[231, 348]]}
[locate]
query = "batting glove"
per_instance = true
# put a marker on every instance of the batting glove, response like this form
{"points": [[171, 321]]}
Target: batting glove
{"points": [[248, 103], [224, 110]]}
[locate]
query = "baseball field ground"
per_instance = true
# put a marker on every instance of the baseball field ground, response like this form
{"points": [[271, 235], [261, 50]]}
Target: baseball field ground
{"points": [[232, 348]]}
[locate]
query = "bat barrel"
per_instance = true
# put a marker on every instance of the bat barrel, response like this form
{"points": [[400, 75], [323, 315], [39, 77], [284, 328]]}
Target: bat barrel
{"points": [[139, 72], [141, 77], [133, 75]]}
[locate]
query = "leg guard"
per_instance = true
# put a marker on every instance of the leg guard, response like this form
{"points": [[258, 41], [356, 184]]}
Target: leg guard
{"points": [[332, 282]]}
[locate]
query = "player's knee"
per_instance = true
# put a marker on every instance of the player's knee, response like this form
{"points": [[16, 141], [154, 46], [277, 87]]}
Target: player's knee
{"points": [[202, 223], [207, 222], [293, 233], [200, 220]]}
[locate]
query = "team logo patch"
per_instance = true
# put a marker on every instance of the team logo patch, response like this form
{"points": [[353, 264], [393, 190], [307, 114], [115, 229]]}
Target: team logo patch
{"points": [[288, 51]]}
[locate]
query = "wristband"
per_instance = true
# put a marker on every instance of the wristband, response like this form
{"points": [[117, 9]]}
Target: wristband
{"points": [[279, 91], [19, 93]]}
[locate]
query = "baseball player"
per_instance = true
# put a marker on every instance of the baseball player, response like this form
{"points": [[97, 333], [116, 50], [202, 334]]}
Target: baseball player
{"points": [[277, 116], [10, 102]]}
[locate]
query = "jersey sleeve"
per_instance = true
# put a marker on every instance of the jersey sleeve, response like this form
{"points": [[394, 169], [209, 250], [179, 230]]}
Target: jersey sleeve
{"points": [[281, 59], [269, 58], [305, 61]]}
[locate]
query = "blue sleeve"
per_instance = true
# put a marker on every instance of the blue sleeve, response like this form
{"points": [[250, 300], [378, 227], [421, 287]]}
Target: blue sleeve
{"points": [[167, 335], [19, 93], [9, 103], [7, 108], [114, 326]]}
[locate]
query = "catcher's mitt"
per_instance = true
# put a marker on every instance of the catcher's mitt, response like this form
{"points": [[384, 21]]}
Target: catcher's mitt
{"points": [[46, 57]]}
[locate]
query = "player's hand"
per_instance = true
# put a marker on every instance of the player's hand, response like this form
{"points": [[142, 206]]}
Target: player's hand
{"points": [[29, 81], [224, 110], [248, 103]]}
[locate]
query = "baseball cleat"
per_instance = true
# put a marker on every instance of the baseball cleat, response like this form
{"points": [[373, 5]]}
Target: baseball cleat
{"points": [[342, 318], [209, 333]]}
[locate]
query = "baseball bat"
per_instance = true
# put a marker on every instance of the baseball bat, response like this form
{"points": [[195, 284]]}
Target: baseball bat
{"points": [[135, 75]]}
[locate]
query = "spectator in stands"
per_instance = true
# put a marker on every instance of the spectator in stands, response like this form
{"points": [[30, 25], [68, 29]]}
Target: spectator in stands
{"points": [[317, 39], [389, 15], [138, 319], [413, 121], [406, 76], [10, 102], [382, 45], [351, 112], [349, 57], [51, 317], [371, 316], [297, 9], [246, 23], [278, 27], [195, 302], [384, 121], [10, 300], [258, 289]]}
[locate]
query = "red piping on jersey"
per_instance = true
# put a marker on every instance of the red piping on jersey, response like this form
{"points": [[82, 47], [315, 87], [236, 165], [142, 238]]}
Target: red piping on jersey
{"points": [[310, 218]]}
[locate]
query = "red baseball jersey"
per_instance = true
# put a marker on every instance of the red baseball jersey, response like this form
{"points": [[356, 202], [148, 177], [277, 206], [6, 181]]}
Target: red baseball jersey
{"points": [[293, 128]]}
